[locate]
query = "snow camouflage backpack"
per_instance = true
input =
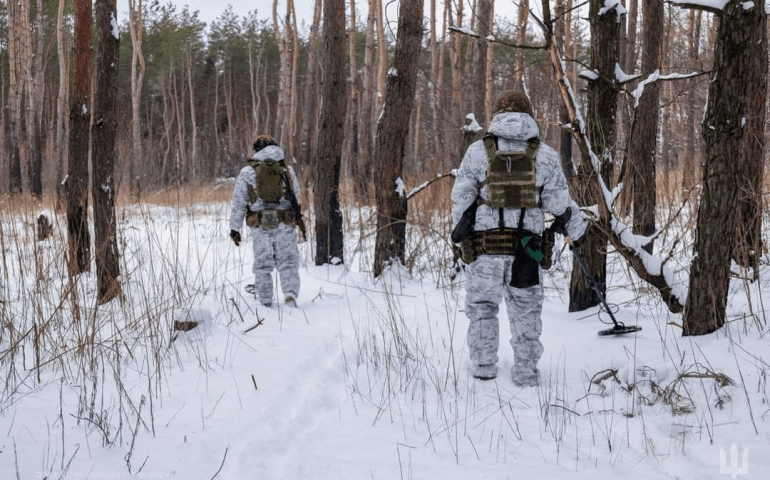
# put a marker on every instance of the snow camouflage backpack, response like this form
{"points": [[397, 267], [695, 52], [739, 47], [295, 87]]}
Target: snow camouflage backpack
{"points": [[270, 184], [511, 175]]}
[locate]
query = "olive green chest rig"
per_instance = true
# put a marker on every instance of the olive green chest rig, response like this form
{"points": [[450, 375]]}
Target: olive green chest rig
{"points": [[511, 175], [271, 186]]}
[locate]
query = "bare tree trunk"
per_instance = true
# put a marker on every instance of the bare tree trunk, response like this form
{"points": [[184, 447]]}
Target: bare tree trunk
{"points": [[602, 107], [391, 139], [489, 92], [36, 99], [282, 73], [382, 57], [748, 251], [457, 116], [294, 97], [439, 105], [136, 28], [181, 152], [15, 95], [80, 116], [480, 46], [742, 35], [168, 125], [228, 92], [355, 127], [310, 116], [253, 90], [27, 130], [193, 115], [62, 38], [104, 127], [521, 39], [633, 12], [367, 106], [3, 126], [562, 27], [691, 111], [328, 223], [643, 142]]}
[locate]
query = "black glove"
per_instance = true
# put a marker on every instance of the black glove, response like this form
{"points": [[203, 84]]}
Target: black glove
{"points": [[575, 244], [236, 236], [560, 223]]}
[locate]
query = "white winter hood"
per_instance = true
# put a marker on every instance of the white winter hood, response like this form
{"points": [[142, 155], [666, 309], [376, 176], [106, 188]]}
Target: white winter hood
{"points": [[271, 153], [517, 128]]}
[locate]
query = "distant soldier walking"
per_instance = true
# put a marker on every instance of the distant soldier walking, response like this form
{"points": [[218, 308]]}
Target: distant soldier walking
{"points": [[267, 195]]}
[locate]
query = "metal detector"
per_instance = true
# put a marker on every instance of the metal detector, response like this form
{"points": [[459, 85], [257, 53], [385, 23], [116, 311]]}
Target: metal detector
{"points": [[619, 328]]}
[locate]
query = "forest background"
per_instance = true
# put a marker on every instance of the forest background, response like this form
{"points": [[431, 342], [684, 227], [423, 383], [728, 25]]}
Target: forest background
{"points": [[208, 89], [186, 99]]}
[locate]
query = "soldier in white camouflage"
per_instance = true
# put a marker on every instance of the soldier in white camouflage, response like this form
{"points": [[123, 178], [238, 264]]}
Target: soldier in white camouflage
{"points": [[500, 262], [263, 196]]}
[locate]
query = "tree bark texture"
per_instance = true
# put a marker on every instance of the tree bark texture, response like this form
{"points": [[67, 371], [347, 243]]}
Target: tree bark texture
{"points": [[62, 40], [392, 130], [16, 86], [691, 111], [36, 99], [600, 125], [328, 223], [79, 238], [643, 141], [563, 26], [136, 27], [103, 134], [309, 138], [742, 34], [748, 250], [479, 70], [521, 39]]}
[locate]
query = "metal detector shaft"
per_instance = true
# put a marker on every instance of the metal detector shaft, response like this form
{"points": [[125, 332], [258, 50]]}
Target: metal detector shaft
{"points": [[594, 286]]}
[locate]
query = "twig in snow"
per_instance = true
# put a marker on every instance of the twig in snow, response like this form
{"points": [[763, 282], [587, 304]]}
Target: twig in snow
{"points": [[237, 309], [222, 465], [66, 469], [136, 432]]}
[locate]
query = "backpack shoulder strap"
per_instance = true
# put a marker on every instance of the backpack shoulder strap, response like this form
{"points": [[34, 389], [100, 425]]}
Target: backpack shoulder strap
{"points": [[250, 189], [286, 174], [533, 145], [490, 145]]}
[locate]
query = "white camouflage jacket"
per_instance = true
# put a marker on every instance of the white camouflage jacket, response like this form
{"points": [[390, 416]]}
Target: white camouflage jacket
{"points": [[513, 130], [247, 176]]}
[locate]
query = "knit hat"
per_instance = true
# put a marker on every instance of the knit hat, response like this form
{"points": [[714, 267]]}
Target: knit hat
{"points": [[512, 101], [263, 141]]}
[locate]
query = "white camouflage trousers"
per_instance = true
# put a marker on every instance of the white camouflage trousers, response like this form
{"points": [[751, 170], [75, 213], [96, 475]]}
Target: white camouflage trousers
{"points": [[487, 280], [275, 249]]}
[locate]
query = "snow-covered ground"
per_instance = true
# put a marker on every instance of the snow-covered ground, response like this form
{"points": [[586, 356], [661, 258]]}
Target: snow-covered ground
{"points": [[364, 380]]}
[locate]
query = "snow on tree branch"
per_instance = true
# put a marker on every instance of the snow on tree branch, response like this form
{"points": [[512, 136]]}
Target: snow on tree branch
{"points": [[711, 6], [672, 287]]}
